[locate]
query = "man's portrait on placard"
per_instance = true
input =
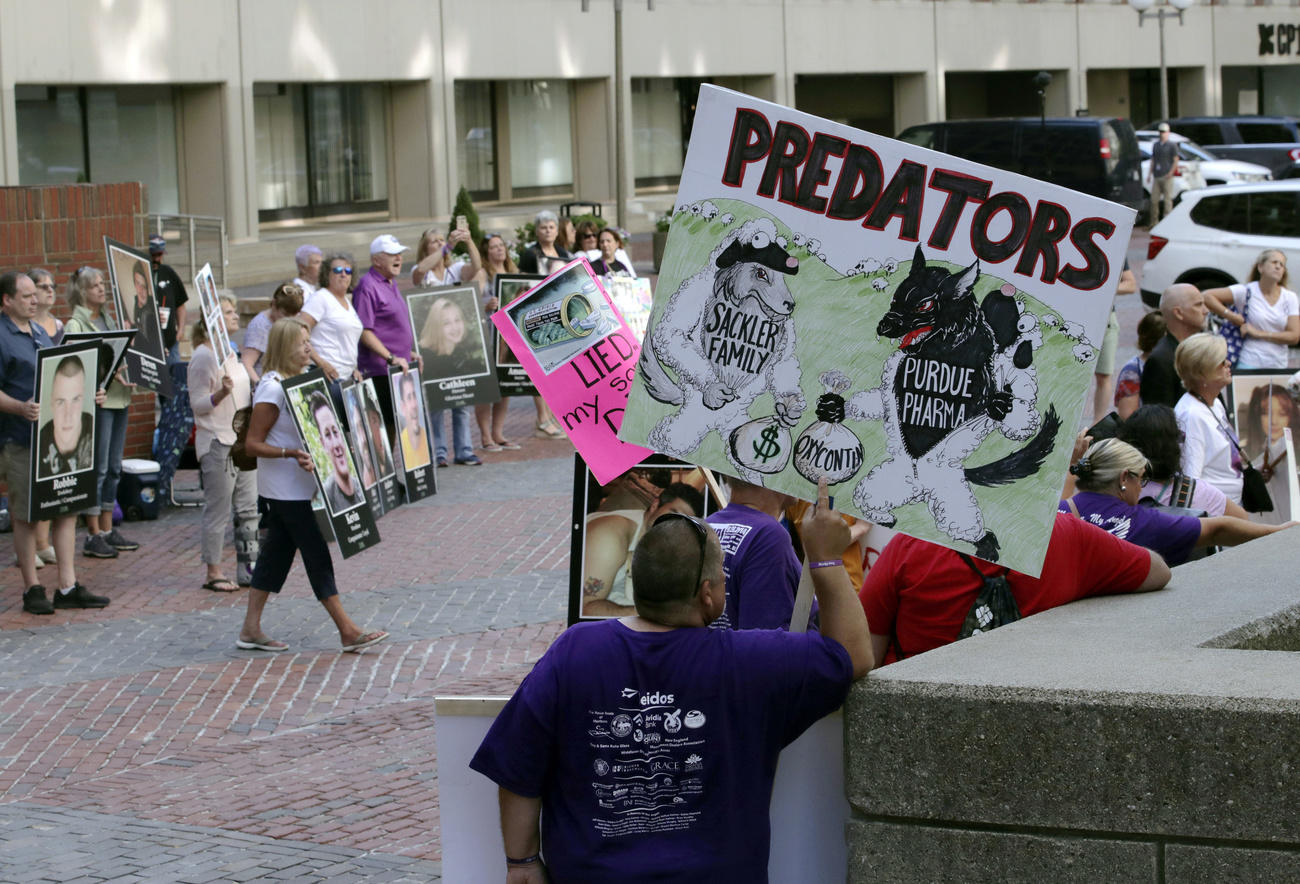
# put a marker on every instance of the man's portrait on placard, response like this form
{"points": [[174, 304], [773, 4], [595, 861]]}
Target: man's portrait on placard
{"points": [[65, 438], [328, 446], [376, 431], [357, 426], [137, 304], [412, 435]]}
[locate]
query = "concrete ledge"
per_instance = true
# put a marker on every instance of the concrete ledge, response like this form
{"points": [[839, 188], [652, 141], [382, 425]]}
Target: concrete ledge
{"points": [[1125, 717]]}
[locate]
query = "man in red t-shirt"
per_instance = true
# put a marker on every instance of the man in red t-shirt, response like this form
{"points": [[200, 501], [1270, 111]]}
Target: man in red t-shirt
{"points": [[917, 594]]}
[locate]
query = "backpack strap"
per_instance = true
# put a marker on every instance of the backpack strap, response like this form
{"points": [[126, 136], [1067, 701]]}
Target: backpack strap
{"points": [[1069, 501]]}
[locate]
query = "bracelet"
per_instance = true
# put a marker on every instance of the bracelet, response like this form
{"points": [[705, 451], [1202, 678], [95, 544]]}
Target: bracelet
{"points": [[528, 860], [284, 452], [829, 563]]}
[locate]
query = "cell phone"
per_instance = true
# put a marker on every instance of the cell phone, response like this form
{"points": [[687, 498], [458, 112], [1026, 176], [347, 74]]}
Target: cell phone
{"points": [[461, 223]]}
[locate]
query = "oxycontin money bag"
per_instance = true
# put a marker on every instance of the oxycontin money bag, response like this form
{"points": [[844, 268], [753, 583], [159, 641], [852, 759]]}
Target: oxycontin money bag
{"points": [[828, 448]]}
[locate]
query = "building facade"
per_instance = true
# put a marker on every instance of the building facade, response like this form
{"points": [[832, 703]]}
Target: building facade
{"points": [[261, 111]]}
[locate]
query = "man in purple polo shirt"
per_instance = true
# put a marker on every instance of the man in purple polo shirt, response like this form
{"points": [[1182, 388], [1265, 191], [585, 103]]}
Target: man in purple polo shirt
{"points": [[386, 337], [643, 748]]}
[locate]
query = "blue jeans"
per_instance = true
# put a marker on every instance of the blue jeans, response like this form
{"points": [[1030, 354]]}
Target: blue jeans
{"points": [[110, 439], [460, 437]]}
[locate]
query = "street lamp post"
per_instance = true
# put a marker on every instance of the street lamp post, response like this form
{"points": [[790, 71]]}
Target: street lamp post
{"points": [[1144, 8]]}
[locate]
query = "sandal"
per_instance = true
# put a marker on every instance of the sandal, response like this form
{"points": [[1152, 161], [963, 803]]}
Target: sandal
{"points": [[261, 644], [221, 584], [365, 640], [490, 446], [507, 445]]}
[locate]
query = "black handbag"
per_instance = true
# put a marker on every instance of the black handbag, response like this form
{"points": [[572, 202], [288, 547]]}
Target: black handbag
{"points": [[994, 606]]}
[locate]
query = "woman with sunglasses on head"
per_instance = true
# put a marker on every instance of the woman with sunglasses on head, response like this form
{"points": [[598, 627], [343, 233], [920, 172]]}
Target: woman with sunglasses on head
{"points": [[434, 264], [87, 296], [334, 325], [1109, 482]]}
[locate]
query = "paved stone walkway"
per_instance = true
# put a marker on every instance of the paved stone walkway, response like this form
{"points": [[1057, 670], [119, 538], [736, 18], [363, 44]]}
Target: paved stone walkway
{"points": [[137, 744]]}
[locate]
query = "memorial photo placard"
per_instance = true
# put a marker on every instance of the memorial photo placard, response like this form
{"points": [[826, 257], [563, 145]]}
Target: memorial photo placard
{"points": [[337, 477], [453, 344], [112, 350], [511, 377], [381, 487], [414, 443], [609, 519], [137, 308], [1263, 408], [63, 477]]}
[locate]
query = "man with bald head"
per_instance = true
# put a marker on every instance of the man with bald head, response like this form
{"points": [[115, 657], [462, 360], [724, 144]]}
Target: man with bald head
{"points": [[1183, 307]]}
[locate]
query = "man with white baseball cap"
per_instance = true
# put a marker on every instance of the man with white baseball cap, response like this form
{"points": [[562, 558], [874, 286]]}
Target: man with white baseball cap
{"points": [[386, 336]]}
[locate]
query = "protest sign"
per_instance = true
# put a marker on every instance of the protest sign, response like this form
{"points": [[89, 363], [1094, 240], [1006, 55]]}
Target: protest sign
{"points": [[63, 477], [137, 308], [213, 317], [375, 462], [112, 350], [413, 444], [609, 519], [581, 356], [453, 343], [511, 377], [337, 478], [632, 298], [919, 329], [1262, 409]]}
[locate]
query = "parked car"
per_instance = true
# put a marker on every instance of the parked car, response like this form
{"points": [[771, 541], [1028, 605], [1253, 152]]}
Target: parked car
{"points": [[1269, 141], [1093, 155], [1214, 169], [1213, 236]]}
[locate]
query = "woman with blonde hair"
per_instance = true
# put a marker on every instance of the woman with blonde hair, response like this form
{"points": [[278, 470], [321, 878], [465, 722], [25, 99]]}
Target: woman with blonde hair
{"points": [[449, 350], [87, 296], [285, 487], [213, 379], [1210, 449], [1266, 311], [434, 265], [1109, 482]]}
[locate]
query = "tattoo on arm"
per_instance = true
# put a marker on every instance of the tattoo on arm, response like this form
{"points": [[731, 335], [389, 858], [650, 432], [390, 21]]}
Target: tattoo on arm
{"points": [[593, 586]]}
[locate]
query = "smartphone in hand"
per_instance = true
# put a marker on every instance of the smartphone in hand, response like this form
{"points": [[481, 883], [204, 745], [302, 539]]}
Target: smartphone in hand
{"points": [[461, 223]]}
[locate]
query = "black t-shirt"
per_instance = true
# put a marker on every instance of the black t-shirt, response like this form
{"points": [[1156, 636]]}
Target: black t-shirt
{"points": [[171, 295], [1160, 384]]}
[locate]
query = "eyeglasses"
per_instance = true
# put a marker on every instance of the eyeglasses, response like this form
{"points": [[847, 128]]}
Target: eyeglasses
{"points": [[701, 536], [588, 236], [341, 270], [48, 286]]}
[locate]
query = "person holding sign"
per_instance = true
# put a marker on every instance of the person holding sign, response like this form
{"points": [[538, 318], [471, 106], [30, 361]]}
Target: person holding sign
{"points": [[285, 487], [64, 442], [335, 326], [718, 706], [87, 295], [450, 350], [20, 339], [213, 380]]}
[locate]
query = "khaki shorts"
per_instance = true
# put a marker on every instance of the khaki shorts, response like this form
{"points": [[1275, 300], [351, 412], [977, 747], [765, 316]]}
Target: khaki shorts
{"points": [[16, 468]]}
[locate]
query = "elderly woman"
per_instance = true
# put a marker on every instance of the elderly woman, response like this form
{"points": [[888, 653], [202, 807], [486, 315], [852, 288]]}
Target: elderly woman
{"points": [[449, 350], [1109, 478], [1211, 452], [1153, 430], [546, 255], [286, 300], [285, 488], [87, 296], [213, 379], [1266, 311]]}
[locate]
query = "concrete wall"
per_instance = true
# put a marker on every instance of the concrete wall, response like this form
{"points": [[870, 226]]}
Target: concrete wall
{"points": [[1114, 739]]}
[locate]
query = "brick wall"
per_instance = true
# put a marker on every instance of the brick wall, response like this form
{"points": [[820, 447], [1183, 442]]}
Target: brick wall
{"points": [[61, 228]]}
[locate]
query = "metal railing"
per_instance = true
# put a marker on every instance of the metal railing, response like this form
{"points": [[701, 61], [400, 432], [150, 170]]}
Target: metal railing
{"points": [[192, 241]]}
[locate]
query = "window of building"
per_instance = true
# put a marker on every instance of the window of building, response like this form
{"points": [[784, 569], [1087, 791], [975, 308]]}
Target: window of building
{"points": [[541, 136], [864, 101], [321, 149], [476, 152], [68, 134], [658, 130]]}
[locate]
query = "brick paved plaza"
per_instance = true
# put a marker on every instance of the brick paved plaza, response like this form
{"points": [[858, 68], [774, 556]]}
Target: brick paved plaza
{"points": [[137, 744]]}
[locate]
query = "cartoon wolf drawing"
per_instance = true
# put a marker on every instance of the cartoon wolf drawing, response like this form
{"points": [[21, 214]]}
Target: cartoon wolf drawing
{"points": [[727, 336], [962, 370]]}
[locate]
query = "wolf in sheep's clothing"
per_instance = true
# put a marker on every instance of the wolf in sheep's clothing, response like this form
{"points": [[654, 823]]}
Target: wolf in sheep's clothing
{"points": [[962, 370], [726, 333]]}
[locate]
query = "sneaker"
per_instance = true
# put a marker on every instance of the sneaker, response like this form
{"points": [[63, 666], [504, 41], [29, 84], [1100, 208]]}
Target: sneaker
{"points": [[98, 547], [47, 556], [118, 542], [471, 461], [35, 602], [80, 597]]}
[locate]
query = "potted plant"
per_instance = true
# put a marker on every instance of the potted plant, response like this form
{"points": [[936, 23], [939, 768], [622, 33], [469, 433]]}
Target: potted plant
{"points": [[662, 223]]}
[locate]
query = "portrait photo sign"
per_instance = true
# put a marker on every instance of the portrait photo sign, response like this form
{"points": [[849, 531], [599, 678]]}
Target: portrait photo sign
{"points": [[214, 322], [453, 342], [112, 350], [1263, 407], [337, 477], [63, 477], [414, 443], [370, 443], [511, 377], [581, 356], [137, 308], [919, 329]]}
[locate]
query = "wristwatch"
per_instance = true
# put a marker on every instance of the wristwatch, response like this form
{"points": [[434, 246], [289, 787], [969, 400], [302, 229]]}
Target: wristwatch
{"points": [[390, 358]]}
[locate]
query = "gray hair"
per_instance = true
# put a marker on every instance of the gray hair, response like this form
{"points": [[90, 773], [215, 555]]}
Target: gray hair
{"points": [[82, 280], [1104, 462], [545, 215]]}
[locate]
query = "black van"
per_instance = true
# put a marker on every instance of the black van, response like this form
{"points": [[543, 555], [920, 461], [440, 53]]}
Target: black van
{"points": [[1093, 155]]}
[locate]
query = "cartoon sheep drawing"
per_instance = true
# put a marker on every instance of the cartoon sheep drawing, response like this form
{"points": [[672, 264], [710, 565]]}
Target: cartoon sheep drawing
{"points": [[865, 267], [708, 211], [727, 218], [879, 284], [797, 239]]}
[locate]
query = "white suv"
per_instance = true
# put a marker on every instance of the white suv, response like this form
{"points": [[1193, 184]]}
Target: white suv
{"points": [[1213, 236]]}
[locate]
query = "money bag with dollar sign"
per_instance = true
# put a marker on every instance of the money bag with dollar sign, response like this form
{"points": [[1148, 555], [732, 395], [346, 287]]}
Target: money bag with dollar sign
{"points": [[762, 445], [828, 448]]}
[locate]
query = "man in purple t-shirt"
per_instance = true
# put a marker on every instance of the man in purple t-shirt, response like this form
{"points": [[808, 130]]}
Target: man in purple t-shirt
{"points": [[644, 748], [758, 558], [386, 337]]}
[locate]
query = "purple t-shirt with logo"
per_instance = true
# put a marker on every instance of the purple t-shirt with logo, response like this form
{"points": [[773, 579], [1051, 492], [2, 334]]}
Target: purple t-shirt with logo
{"points": [[761, 567], [382, 309], [654, 752], [1171, 536]]}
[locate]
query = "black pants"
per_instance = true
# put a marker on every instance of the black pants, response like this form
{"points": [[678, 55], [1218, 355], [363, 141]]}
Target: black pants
{"points": [[291, 527]]}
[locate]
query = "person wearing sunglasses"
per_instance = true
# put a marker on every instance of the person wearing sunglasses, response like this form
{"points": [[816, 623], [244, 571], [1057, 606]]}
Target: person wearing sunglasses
{"points": [[334, 325], [694, 717]]}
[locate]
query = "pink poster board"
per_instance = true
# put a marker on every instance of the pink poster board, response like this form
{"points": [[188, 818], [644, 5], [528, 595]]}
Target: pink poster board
{"points": [[581, 355]]}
